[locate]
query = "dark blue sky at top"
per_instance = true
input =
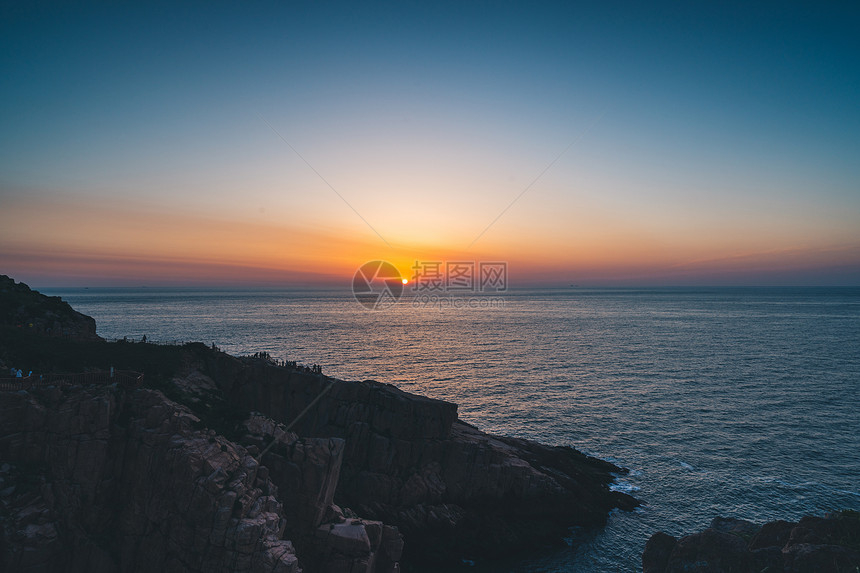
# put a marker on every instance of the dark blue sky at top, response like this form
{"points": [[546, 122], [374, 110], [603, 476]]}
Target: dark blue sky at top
{"points": [[769, 62]]}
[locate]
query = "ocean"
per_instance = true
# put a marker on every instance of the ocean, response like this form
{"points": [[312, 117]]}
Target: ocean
{"points": [[738, 402]]}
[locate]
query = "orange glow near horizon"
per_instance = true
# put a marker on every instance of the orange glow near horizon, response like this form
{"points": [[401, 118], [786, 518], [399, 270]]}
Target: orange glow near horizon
{"points": [[64, 242]]}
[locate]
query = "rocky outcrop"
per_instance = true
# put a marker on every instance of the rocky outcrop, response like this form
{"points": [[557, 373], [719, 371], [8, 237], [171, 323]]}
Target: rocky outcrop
{"points": [[306, 472], [99, 479], [813, 545], [454, 492], [105, 478], [31, 311]]}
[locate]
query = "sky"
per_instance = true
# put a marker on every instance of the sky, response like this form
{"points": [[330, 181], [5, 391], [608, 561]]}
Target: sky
{"points": [[287, 143]]}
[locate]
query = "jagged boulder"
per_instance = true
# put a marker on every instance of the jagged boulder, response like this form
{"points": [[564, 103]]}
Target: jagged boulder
{"points": [[306, 472]]}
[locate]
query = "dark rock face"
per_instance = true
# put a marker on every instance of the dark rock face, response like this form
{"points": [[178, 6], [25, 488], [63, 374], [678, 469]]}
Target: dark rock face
{"points": [[106, 479], [772, 534], [101, 480], [655, 558], [813, 545], [452, 490], [710, 551], [306, 472], [34, 312]]}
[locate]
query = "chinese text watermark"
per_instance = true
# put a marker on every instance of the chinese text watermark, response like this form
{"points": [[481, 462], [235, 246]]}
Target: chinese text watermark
{"points": [[458, 284]]}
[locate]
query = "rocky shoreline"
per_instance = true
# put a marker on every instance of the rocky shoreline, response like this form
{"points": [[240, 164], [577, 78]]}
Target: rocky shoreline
{"points": [[197, 471], [813, 544]]}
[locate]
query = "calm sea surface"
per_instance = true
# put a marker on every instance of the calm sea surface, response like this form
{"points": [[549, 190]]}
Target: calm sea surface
{"points": [[733, 402]]}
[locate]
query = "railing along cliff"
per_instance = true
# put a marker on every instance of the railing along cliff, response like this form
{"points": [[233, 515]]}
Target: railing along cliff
{"points": [[124, 378]]}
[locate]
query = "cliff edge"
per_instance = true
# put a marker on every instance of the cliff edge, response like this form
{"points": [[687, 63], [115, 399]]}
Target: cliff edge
{"points": [[26, 309]]}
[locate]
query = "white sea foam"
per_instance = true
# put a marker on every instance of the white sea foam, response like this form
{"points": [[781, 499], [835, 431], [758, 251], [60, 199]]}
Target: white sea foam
{"points": [[624, 487]]}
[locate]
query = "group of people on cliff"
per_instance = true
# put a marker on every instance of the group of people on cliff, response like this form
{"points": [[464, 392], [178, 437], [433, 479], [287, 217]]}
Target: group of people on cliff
{"points": [[127, 339], [18, 373], [291, 364]]}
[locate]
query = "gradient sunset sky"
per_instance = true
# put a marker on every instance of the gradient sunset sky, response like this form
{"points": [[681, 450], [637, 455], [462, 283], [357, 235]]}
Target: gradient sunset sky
{"points": [[286, 143]]}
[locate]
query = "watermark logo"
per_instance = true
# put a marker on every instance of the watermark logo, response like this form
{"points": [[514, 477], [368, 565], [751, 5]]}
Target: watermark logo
{"points": [[377, 285], [459, 277]]}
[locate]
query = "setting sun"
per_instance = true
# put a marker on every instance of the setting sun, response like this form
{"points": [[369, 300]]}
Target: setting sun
{"points": [[405, 281]]}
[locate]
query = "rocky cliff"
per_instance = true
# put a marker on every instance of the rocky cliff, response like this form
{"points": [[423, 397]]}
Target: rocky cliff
{"points": [[455, 492], [100, 479], [26, 309], [198, 471], [829, 544]]}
